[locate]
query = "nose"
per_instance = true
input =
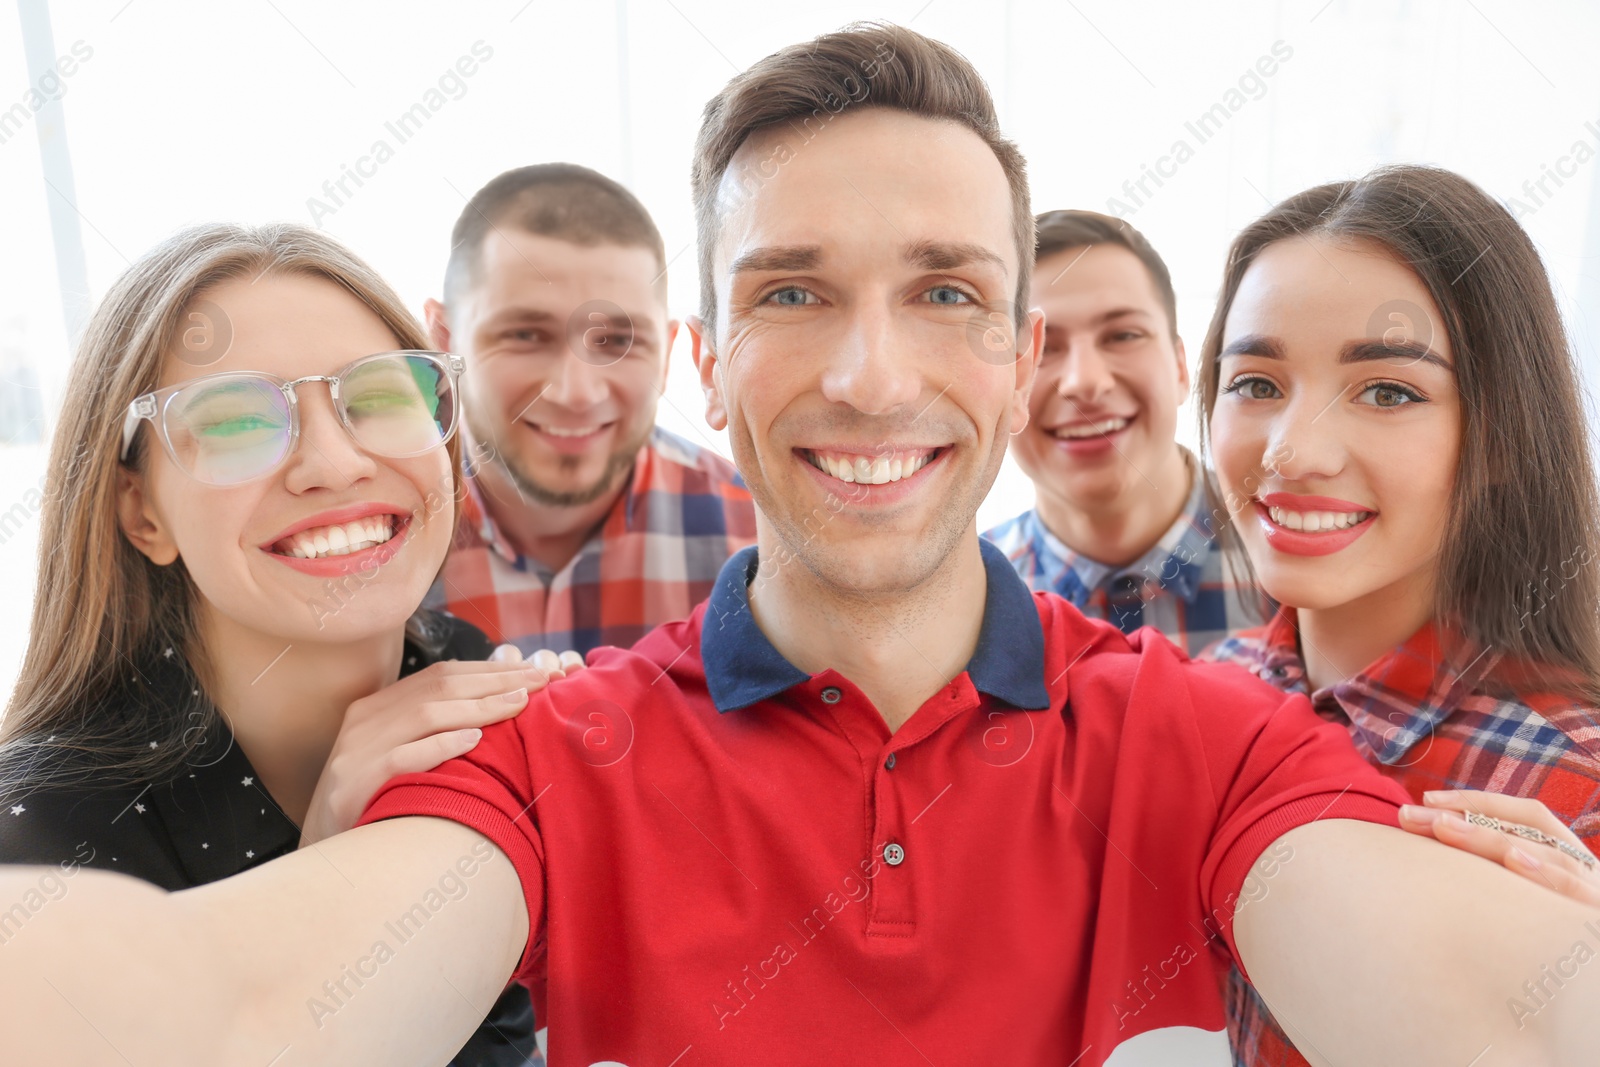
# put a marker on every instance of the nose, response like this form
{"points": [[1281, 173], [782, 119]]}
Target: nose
{"points": [[1305, 441], [872, 369], [1085, 374], [326, 456], [579, 384]]}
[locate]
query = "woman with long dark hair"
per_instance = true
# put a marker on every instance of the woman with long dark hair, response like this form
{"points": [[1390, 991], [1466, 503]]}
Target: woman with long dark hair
{"points": [[1392, 410]]}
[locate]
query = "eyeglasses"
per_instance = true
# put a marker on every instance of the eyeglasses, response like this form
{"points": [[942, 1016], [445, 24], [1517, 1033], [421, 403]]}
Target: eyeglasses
{"points": [[224, 429]]}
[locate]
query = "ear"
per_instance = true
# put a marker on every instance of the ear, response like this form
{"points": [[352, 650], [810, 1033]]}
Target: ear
{"points": [[666, 357], [706, 363], [140, 522], [1183, 369], [1030, 348], [438, 324]]}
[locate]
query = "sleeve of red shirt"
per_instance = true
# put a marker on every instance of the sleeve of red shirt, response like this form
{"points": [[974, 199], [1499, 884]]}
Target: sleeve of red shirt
{"points": [[1275, 765], [491, 790]]}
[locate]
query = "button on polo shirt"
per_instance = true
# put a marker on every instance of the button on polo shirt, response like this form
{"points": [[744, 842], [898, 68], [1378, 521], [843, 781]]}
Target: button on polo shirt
{"points": [[720, 867]]}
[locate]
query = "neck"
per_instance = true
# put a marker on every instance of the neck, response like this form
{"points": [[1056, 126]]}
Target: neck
{"points": [[1128, 526], [1337, 643], [899, 647], [549, 533], [285, 707]]}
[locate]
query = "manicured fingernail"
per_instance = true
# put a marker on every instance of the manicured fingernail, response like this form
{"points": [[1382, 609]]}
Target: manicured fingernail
{"points": [[1524, 859], [472, 736], [518, 697], [1420, 816], [1438, 795]]}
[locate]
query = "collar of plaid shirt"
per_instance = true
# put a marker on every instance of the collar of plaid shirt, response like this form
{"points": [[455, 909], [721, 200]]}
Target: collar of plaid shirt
{"points": [[1398, 699], [476, 514], [1176, 562]]}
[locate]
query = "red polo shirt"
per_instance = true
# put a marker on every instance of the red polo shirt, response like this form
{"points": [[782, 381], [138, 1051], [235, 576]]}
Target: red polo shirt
{"points": [[728, 861]]}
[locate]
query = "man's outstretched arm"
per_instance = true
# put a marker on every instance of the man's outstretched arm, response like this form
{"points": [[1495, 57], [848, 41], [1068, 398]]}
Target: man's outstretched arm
{"points": [[386, 944], [1372, 946]]}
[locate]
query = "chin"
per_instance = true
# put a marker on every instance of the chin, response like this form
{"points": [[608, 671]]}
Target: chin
{"points": [[1308, 592]]}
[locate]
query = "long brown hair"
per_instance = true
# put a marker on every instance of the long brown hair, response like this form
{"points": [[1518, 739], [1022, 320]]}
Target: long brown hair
{"points": [[1517, 565], [105, 616]]}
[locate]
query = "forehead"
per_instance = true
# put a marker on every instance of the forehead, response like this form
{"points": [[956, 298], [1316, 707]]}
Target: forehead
{"points": [[865, 184], [1318, 288], [518, 267], [290, 325], [1094, 276]]}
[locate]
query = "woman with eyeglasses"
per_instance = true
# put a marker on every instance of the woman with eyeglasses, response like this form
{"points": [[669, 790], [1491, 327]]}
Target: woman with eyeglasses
{"points": [[1394, 415], [252, 485]]}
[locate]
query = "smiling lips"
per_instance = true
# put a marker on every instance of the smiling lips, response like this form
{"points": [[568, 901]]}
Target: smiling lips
{"points": [[1311, 525], [1079, 431], [879, 468], [343, 540]]}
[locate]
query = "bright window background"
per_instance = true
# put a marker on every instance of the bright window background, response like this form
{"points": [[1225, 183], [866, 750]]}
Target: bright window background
{"points": [[243, 111]]}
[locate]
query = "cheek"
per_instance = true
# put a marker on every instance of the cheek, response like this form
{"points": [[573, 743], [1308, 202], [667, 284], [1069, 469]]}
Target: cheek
{"points": [[1234, 448]]}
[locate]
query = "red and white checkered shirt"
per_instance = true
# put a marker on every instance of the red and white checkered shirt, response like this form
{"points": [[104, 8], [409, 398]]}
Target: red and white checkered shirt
{"points": [[684, 511], [1427, 725]]}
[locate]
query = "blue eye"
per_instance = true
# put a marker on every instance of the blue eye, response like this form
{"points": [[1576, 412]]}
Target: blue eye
{"points": [[948, 294], [788, 296]]}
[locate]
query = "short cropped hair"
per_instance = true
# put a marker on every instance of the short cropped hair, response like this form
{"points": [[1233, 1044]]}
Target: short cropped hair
{"points": [[864, 65], [561, 200], [1060, 230]]}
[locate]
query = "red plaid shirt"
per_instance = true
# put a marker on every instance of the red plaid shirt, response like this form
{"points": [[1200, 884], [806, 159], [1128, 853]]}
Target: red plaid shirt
{"points": [[1427, 725], [684, 511]]}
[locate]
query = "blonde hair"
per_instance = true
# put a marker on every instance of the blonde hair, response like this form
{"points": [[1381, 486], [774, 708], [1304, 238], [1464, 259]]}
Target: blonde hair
{"points": [[103, 613]]}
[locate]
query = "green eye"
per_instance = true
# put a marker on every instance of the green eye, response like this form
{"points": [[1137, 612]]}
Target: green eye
{"points": [[234, 427], [373, 403]]}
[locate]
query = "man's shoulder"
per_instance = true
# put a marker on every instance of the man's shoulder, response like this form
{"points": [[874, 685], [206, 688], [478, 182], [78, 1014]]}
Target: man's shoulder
{"points": [[1094, 653], [1012, 534], [697, 467]]}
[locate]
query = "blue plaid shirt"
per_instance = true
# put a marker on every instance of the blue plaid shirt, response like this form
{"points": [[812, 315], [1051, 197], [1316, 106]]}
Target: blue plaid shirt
{"points": [[1184, 586]]}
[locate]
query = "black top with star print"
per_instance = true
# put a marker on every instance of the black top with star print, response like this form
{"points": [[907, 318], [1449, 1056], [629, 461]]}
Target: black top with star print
{"points": [[212, 819]]}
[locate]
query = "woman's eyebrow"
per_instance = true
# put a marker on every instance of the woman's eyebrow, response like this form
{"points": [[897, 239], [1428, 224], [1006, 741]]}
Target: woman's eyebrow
{"points": [[1413, 351], [1254, 344]]}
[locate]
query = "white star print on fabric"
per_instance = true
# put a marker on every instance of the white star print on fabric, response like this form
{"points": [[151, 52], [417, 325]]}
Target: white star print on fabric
{"points": [[139, 808], [17, 809], [153, 744], [205, 844], [247, 780], [249, 853]]}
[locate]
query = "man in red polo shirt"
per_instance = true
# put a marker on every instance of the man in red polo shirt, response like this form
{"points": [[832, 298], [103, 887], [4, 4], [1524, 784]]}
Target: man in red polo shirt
{"points": [[873, 802]]}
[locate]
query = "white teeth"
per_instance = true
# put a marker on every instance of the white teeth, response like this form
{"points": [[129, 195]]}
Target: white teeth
{"points": [[557, 431], [1096, 429], [877, 470], [1317, 521], [339, 540]]}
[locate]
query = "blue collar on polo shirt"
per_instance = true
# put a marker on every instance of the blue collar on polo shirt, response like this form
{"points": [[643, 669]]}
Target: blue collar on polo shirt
{"points": [[743, 668]]}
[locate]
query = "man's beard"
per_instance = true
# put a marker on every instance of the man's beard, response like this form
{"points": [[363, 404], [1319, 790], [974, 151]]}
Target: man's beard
{"points": [[618, 464]]}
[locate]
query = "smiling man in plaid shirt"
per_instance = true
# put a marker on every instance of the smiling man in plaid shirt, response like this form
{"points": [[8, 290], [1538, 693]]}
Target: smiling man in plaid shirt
{"points": [[584, 523], [1121, 525]]}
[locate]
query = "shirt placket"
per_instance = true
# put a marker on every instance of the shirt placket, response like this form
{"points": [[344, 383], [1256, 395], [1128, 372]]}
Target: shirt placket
{"points": [[897, 795]]}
